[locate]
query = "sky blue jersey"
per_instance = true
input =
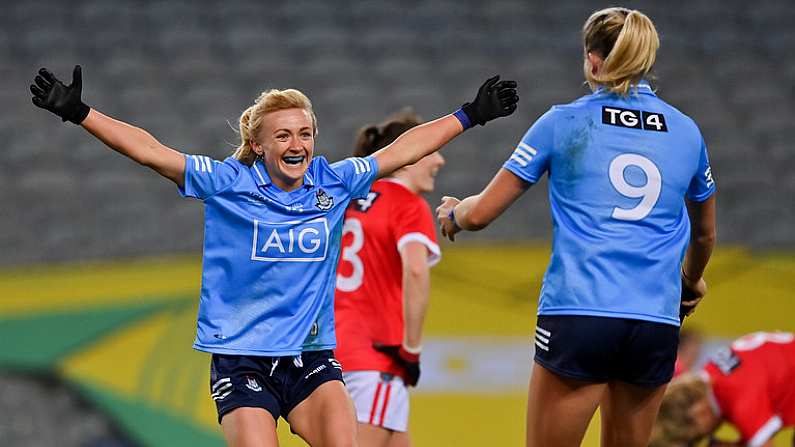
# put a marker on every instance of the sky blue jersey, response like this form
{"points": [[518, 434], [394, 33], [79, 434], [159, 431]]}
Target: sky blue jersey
{"points": [[619, 170], [270, 256]]}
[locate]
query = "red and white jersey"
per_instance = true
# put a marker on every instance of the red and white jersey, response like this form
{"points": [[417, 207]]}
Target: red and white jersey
{"points": [[753, 384], [369, 297]]}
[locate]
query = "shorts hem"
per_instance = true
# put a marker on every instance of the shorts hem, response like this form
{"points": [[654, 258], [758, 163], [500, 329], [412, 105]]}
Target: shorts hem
{"points": [[569, 374], [306, 393], [366, 420], [226, 411]]}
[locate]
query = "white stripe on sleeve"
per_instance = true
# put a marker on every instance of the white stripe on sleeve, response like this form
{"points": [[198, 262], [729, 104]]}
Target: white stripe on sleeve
{"points": [[434, 253], [767, 431], [528, 148], [356, 166], [195, 162], [209, 164]]}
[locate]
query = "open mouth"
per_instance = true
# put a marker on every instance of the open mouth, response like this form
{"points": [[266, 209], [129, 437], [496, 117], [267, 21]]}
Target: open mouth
{"points": [[293, 159]]}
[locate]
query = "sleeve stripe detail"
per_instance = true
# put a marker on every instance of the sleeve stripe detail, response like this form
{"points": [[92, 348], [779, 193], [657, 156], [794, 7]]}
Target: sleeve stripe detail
{"points": [[516, 158], [528, 148], [209, 164], [523, 154], [767, 431], [434, 253], [360, 165], [195, 162], [356, 166]]}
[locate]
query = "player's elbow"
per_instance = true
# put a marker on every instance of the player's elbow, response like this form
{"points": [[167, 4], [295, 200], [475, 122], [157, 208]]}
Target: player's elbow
{"points": [[416, 271], [705, 237]]}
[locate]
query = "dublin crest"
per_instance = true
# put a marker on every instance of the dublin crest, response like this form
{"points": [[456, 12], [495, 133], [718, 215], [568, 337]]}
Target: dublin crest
{"points": [[324, 201]]}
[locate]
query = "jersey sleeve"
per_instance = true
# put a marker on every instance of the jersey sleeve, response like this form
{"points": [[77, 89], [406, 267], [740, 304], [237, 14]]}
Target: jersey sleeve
{"points": [[413, 222], [205, 177], [702, 186], [358, 174], [530, 159]]}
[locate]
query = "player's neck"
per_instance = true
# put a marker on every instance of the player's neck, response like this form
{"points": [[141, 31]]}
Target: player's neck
{"points": [[405, 180]]}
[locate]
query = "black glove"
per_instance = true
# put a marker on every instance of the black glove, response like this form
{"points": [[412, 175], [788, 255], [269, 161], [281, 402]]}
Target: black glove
{"points": [[63, 100], [410, 362], [495, 99]]}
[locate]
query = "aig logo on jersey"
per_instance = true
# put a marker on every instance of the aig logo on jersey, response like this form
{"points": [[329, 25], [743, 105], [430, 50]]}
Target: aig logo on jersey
{"points": [[634, 119], [290, 241]]}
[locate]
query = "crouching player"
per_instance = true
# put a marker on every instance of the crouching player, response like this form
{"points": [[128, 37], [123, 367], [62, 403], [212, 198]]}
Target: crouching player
{"points": [[750, 385], [389, 244]]}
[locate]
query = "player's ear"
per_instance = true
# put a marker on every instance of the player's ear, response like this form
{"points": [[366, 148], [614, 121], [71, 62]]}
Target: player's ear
{"points": [[595, 60]]}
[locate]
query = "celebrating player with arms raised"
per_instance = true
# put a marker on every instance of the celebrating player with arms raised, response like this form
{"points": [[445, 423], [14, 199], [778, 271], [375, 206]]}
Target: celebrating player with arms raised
{"points": [[273, 221]]}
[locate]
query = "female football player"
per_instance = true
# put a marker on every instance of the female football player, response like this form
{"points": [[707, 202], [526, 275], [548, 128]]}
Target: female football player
{"points": [[751, 385], [629, 186], [383, 282], [273, 220]]}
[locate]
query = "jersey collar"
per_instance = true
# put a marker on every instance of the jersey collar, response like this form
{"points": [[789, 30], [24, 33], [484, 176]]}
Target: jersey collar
{"points": [[642, 87], [263, 179]]}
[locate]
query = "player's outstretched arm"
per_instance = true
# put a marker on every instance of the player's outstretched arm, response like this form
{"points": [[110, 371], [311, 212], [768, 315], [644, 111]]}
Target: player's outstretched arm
{"points": [[51, 94], [477, 212], [495, 99]]}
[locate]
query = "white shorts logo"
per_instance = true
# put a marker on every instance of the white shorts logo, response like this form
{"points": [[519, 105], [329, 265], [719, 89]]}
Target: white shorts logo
{"points": [[251, 383], [294, 241]]}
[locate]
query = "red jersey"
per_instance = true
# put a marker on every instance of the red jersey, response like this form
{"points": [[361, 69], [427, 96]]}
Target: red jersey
{"points": [[753, 384], [368, 304]]}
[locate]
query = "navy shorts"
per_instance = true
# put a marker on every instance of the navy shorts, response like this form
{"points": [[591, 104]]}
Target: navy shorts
{"points": [[276, 384], [602, 349]]}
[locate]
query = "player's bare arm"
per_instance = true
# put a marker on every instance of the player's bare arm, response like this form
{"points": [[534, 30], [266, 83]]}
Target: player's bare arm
{"points": [[65, 101], [137, 144], [416, 290], [702, 241], [477, 212], [495, 99]]}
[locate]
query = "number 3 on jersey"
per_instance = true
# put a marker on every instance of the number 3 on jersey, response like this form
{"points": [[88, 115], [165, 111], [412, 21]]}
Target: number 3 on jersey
{"points": [[350, 254], [648, 193]]}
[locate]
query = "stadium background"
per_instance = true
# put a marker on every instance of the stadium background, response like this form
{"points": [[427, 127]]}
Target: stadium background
{"points": [[100, 259]]}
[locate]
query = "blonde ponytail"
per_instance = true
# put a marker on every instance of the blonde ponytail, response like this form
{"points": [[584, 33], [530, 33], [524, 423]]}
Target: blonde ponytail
{"points": [[268, 101], [244, 152], [627, 41]]}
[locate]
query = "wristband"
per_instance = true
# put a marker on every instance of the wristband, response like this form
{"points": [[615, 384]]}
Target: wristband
{"points": [[451, 216], [463, 118]]}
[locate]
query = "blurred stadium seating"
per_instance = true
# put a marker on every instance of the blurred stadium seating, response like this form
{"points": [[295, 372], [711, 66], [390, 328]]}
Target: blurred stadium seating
{"points": [[185, 70]]}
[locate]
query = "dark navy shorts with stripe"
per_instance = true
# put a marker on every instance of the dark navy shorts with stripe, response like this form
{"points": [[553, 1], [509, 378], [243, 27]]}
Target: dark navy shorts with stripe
{"points": [[276, 384], [602, 349]]}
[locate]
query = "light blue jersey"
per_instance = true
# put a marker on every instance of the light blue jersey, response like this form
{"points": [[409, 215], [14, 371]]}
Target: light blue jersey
{"points": [[619, 170], [270, 256]]}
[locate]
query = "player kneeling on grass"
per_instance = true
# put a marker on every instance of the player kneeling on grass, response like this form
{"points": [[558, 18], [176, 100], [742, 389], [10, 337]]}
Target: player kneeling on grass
{"points": [[383, 282], [750, 385], [273, 216]]}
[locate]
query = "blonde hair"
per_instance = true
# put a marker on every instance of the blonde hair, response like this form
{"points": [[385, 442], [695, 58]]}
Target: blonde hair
{"points": [[675, 425], [627, 41], [268, 101]]}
